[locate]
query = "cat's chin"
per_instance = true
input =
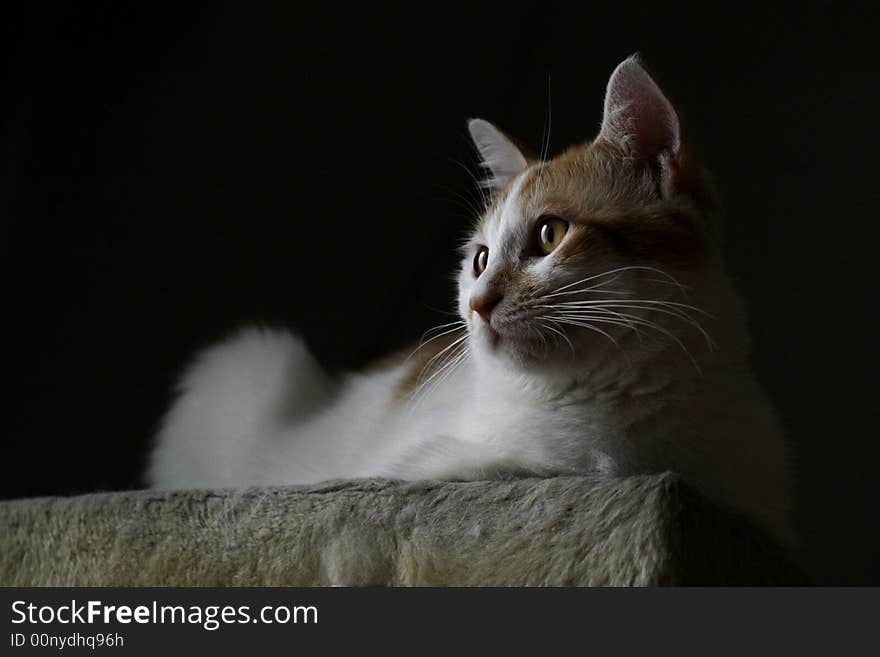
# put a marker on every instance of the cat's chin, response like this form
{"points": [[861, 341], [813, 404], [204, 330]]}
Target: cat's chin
{"points": [[521, 351]]}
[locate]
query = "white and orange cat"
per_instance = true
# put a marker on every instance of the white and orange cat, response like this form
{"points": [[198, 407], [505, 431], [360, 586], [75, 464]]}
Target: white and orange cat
{"points": [[599, 334]]}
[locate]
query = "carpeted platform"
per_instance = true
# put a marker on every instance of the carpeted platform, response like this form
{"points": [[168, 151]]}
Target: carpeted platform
{"points": [[648, 530]]}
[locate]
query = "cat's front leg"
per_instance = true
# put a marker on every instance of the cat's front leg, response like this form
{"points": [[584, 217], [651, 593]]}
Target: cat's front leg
{"points": [[451, 459]]}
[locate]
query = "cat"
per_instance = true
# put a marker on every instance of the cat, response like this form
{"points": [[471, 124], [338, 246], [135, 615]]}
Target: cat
{"points": [[599, 334]]}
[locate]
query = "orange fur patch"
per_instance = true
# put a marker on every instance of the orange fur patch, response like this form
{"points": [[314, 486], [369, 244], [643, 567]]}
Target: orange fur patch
{"points": [[612, 208]]}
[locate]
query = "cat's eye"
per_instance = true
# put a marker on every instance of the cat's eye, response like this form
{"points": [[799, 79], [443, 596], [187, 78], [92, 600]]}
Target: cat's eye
{"points": [[550, 231], [481, 260]]}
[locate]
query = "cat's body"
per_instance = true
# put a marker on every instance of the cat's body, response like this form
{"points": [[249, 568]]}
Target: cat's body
{"points": [[600, 334]]}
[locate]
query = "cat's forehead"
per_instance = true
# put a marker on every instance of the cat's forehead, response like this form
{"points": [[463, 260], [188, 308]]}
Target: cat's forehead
{"points": [[581, 180]]}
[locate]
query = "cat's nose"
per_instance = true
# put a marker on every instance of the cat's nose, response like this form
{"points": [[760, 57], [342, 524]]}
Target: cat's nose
{"points": [[484, 303]]}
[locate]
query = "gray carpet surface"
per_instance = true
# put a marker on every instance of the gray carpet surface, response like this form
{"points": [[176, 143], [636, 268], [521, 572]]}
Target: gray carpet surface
{"points": [[565, 531]]}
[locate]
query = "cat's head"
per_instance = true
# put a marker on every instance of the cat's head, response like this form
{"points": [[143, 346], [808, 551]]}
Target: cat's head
{"points": [[593, 252]]}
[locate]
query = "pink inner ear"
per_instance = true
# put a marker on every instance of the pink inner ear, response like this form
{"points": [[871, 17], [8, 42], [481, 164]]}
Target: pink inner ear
{"points": [[638, 117]]}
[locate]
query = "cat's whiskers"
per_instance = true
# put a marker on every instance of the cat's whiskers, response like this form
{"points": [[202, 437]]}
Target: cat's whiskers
{"points": [[545, 143], [684, 289], [544, 343], [558, 332], [448, 365], [574, 317], [619, 270], [598, 287], [621, 316], [425, 386], [438, 358], [584, 323], [423, 343], [661, 302], [478, 185], [649, 305], [595, 288], [563, 308], [451, 313], [471, 206], [457, 322]]}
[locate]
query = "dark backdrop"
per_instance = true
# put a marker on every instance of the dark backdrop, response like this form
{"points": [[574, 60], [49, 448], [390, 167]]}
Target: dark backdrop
{"points": [[175, 172]]}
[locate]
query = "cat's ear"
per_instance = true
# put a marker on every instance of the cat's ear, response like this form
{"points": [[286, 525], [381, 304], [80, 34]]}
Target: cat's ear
{"points": [[640, 120], [501, 158]]}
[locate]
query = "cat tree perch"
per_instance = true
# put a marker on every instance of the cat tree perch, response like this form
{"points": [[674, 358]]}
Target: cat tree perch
{"points": [[646, 530]]}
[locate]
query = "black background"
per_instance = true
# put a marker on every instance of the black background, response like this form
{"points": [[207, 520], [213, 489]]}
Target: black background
{"points": [[175, 171]]}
